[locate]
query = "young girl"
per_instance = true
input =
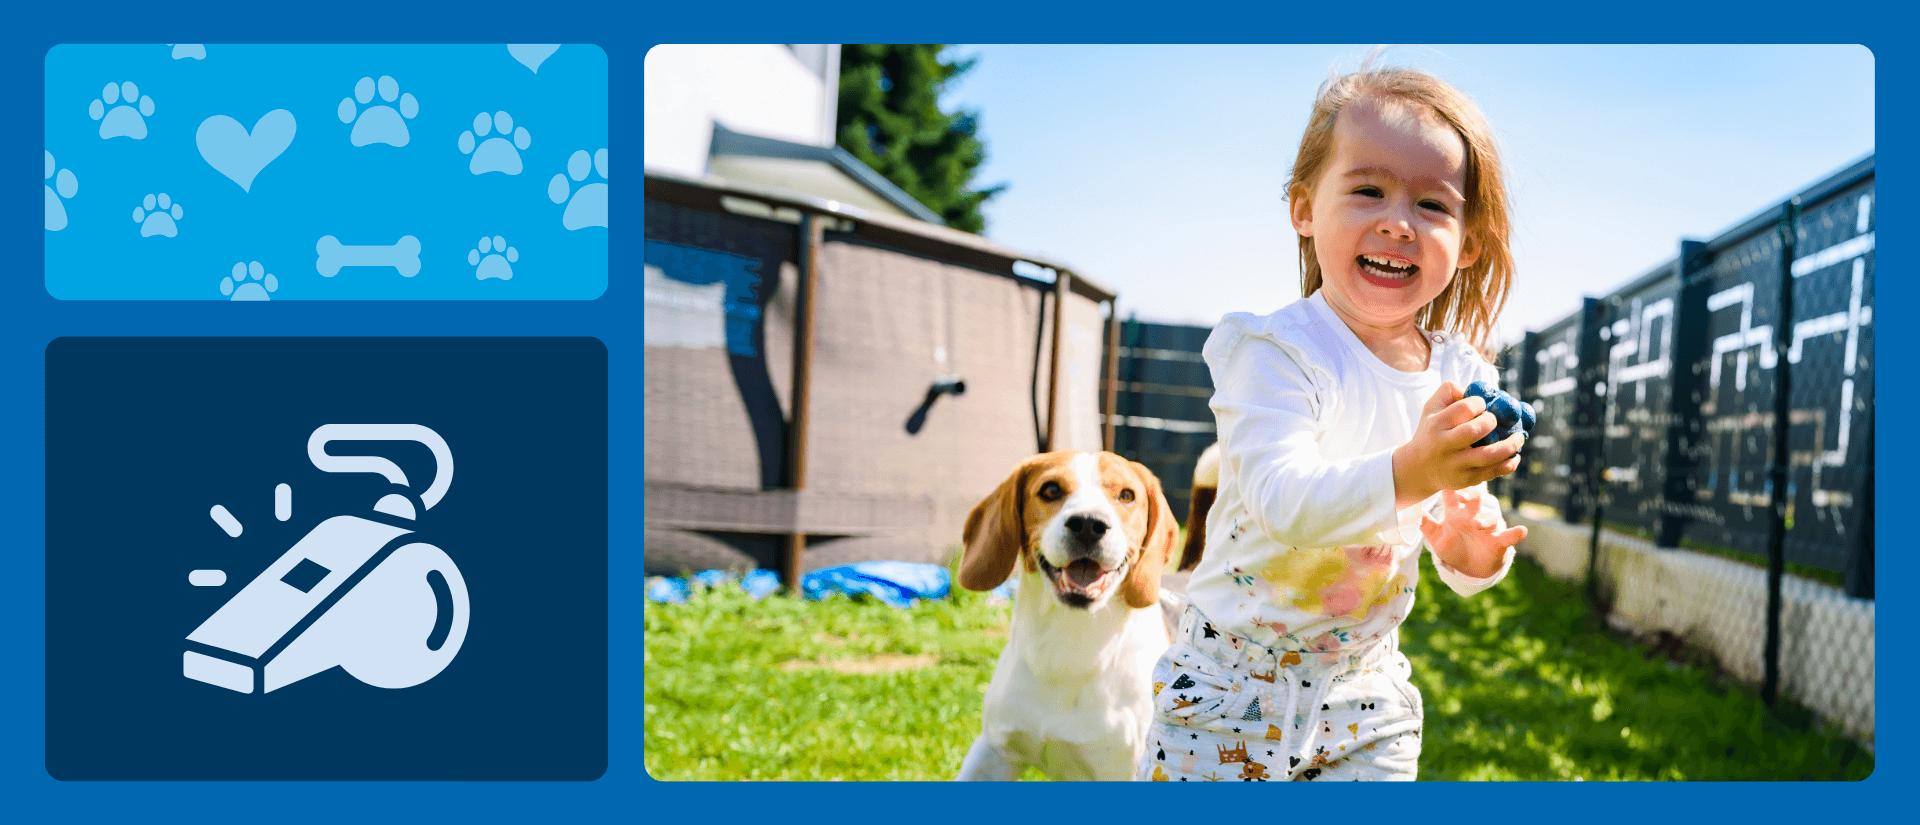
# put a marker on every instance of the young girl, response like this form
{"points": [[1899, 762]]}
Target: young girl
{"points": [[1345, 440]]}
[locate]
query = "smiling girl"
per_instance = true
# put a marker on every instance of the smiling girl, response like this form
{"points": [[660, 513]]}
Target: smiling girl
{"points": [[1345, 441]]}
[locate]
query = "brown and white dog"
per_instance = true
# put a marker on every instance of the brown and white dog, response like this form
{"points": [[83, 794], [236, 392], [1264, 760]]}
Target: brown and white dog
{"points": [[1090, 534]]}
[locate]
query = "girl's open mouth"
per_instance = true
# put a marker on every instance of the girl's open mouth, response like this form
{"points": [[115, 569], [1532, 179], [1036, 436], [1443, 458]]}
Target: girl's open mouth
{"points": [[1385, 272]]}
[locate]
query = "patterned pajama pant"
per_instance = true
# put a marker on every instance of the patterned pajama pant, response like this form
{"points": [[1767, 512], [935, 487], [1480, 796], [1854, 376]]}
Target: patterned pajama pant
{"points": [[1226, 708]]}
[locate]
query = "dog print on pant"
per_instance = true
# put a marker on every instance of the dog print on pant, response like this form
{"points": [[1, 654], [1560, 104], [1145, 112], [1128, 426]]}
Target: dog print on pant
{"points": [[1262, 719]]}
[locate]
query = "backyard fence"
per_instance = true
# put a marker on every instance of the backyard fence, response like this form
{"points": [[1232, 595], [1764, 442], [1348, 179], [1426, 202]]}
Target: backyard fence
{"points": [[1658, 403], [1721, 405], [1160, 415]]}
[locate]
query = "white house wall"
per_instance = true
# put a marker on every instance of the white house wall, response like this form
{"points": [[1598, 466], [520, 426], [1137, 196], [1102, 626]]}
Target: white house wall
{"points": [[762, 90]]}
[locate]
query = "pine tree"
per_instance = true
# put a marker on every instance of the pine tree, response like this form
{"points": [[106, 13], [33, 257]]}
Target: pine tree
{"points": [[890, 119], [1253, 711]]}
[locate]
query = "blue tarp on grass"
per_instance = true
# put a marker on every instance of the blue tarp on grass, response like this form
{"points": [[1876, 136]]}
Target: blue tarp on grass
{"points": [[895, 583]]}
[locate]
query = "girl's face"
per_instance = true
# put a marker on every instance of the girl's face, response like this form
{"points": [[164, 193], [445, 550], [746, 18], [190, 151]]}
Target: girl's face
{"points": [[1388, 213]]}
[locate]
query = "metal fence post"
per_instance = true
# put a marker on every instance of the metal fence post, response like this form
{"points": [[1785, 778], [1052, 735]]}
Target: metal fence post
{"points": [[1109, 389], [1062, 287], [1583, 447], [811, 231], [1778, 468], [1528, 389], [1592, 404], [1686, 435]]}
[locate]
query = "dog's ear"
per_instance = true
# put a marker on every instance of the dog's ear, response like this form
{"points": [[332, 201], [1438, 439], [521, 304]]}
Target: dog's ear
{"points": [[995, 531], [1142, 587]]}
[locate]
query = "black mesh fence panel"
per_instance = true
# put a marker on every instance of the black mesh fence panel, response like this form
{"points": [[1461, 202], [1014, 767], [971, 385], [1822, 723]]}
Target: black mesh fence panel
{"points": [[1832, 386], [1638, 337], [1547, 458], [1161, 417], [1681, 369]]}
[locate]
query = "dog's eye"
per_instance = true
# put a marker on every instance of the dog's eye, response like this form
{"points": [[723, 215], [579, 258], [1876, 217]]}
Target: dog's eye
{"points": [[1126, 495], [1051, 491]]}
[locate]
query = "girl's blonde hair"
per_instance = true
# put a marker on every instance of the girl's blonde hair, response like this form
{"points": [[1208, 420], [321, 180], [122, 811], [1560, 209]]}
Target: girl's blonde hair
{"points": [[1474, 298]]}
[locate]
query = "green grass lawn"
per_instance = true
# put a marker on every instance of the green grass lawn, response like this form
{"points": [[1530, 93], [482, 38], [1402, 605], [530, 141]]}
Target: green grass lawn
{"points": [[1520, 682]]}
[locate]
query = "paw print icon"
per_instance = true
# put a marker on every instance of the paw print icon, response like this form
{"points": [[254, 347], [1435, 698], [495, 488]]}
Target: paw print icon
{"points": [[495, 154], [237, 287], [378, 123], [156, 216], [67, 185], [492, 258], [586, 206], [117, 119]]}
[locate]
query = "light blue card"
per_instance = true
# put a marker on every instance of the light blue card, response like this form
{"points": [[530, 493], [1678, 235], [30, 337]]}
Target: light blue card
{"points": [[326, 172]]}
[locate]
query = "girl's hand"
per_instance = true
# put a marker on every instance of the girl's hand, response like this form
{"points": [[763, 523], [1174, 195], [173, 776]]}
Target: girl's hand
{"points": [[1441, 455], [1466, 539]]}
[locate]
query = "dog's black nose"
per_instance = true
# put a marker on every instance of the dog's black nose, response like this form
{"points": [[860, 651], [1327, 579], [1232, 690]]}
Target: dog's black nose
{"points": [[1086, 528]]}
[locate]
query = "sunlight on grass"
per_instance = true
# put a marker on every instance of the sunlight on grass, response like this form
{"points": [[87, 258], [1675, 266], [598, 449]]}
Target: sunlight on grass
{"points": [[844, 689], [1520, 682]]}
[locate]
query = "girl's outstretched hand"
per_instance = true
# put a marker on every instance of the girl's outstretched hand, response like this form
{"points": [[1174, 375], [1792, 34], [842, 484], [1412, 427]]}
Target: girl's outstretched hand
{"points": [[1467, 539], [1441, 455]]}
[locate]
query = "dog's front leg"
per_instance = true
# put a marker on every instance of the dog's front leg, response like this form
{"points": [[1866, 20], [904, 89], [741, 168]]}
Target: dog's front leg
{"points": [[985, 763]]}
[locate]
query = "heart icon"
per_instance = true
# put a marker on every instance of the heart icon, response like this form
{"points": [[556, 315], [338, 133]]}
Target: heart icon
{"points": [[532, 55], [233, 152]]}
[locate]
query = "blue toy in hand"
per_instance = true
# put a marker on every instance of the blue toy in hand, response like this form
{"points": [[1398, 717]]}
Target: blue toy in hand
{"points": [[1509, 413]]}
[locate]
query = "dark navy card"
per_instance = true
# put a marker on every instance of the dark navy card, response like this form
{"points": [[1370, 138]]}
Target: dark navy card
{"points": [[432, 604]]}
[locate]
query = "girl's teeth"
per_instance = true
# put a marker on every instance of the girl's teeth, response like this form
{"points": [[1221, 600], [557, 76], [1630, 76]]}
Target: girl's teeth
{"points": [[1378, 268]]}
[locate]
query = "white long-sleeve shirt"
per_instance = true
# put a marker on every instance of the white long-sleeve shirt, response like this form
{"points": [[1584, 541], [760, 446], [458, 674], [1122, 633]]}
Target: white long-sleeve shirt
{"points": [[1305, 550]]}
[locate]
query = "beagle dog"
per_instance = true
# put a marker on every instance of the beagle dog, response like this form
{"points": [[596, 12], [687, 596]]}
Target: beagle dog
{"points": [[1090, 534]]}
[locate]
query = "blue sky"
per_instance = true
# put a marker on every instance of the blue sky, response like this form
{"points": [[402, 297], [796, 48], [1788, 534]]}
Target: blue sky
{"points": [[1159, 170]]}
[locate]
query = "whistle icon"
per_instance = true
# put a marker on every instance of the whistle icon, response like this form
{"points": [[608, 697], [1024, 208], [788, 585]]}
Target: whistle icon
{"points": [[353, 592]]}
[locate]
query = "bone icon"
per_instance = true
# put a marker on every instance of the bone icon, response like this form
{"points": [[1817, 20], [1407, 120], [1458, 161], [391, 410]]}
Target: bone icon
{"points": [[403, 255]]}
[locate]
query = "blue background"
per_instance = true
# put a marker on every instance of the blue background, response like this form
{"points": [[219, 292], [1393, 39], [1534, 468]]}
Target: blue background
{"points": [[29, 319], [322, 184], [145, 435]]}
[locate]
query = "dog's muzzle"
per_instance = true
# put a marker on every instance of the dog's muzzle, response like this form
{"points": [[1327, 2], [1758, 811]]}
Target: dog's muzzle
{"points": [[1083, 581]]}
